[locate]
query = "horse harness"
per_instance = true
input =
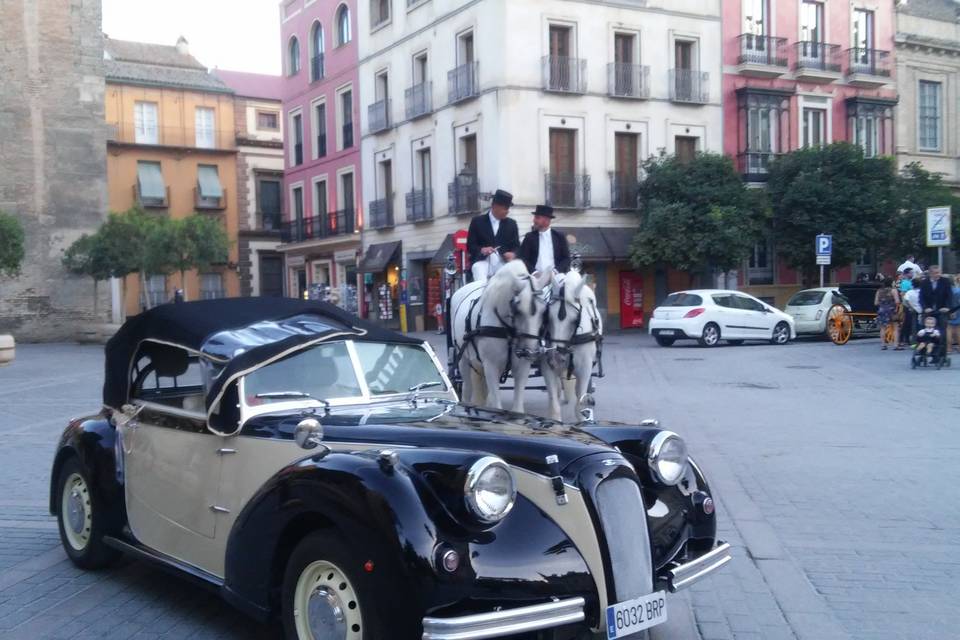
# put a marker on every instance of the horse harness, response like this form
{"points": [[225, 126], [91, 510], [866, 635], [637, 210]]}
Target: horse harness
{"points": [[565, 346]]}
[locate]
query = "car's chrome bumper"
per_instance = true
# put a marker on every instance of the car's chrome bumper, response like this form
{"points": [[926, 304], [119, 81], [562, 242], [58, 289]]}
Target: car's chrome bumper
{"points": [[506, 622], [681, 576]]}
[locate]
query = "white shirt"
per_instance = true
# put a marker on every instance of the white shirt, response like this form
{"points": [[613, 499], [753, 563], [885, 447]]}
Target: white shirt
{"points": [[912, 298], [910, 265], [545, 262], [494, 222]]}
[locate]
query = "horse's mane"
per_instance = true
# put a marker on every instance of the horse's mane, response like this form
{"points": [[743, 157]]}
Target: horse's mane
{"points": [[501, 287]]}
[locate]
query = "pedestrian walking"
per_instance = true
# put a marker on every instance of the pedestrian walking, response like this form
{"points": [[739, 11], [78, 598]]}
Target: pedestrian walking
{"points": [[887, 299]]}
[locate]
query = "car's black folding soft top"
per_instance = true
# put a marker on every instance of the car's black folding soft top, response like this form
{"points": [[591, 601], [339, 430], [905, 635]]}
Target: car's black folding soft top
{"points": [[236, 333]]}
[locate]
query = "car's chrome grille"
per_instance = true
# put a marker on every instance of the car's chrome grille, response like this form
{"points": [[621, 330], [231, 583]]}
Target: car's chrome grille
{"points": [[624, 521]]}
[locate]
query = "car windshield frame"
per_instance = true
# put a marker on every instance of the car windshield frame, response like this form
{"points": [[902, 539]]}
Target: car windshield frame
{"points": [[366, 397], [792, 301]]}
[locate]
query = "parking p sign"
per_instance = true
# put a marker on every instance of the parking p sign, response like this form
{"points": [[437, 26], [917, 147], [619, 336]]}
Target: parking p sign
{"points": [[824, 248], [938, 227]]}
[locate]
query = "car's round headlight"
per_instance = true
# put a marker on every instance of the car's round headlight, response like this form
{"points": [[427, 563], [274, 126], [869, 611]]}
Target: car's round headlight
{"points": [[668, 457], [490, 490]]}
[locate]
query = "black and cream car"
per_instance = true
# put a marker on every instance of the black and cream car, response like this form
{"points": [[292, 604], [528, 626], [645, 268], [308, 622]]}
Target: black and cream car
{"points": [[318, 471]]}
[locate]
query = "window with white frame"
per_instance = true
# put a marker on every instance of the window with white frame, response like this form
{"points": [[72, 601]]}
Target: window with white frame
{"points": [[204, 121], [211, 286], [343, 25], [344, 118], [379, 12], [814, 127], [761, 138], [760, 266], [293, 57], [928, 135], [145, 123], [867, 134], [156, 292]]}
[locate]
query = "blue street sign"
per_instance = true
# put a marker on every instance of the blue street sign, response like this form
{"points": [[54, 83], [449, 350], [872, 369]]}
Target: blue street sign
{"points": [[824, 245]]}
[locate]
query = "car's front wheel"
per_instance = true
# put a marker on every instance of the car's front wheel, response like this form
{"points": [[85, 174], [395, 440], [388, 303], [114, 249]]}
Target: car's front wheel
{"points": [[781, 333], [710, 336], [80, 519], [323, 597], [664, 341]]}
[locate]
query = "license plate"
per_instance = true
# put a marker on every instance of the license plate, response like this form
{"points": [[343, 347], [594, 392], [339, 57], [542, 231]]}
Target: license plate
{"points": [[667, 332], [626, 618]]}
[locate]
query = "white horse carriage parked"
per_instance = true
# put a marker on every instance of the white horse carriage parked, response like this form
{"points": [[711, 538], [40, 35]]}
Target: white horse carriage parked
{"points": [[519, 325]]}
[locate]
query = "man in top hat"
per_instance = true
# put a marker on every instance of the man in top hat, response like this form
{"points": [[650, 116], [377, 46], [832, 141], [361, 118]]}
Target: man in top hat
{"points": [[493, 237], [545, 249]]}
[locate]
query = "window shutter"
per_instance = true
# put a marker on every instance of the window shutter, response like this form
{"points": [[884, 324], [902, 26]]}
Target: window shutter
{"points": [[204, 126]]}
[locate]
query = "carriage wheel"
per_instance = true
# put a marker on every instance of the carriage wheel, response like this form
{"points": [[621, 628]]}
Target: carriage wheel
{"points": [[839, 325]]}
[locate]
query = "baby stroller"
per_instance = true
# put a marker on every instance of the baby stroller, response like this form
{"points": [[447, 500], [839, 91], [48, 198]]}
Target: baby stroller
{"points": [[938, 357]]}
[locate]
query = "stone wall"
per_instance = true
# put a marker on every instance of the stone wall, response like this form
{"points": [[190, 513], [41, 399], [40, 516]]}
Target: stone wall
{"points": [[52, 159]]}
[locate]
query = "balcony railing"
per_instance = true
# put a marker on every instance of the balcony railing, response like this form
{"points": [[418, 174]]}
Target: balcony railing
{"points": [[327, 225], [624, 192], [378, 116], [567, 190], [151, 203], [818, 56], [420, 205], [873, 62], [297, 153], [462, 83], [209, 204], [316, 68], [755, 165], [565, 75], [419, 100], [688, 85], [463, 196], [763, 50], [321, 144], [127, 133], [628, 80], [347, 133], [380, 213]]}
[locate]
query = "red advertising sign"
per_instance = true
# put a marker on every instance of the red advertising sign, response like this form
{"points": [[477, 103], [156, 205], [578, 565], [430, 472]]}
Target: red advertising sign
{"points": [[631, 300]]}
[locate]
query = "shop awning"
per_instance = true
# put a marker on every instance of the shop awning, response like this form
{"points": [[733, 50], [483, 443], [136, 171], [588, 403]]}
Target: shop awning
{"points": [[440, 257], [619, 240], [588, 242], [378, 256], [209, 182]]}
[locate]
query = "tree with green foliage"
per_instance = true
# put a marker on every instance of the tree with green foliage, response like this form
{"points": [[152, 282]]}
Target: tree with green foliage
{"points": [[11, 245], [835, 190], [198, 242], [86, 257], [696, 215], [917, 190]]}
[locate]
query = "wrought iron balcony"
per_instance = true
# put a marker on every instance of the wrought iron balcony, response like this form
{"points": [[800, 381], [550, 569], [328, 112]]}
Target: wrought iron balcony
{"points": [[463, 195], [755, 165], [628, 80], [380, 213], [327, 225], [690, 86], [817, 56], [624, 192], [419, 100], [462, 83], [378, 116], [765, 51], [567, 190], [565, 75], [868, 68], [269, 220], [420, 205], [316, 68]]}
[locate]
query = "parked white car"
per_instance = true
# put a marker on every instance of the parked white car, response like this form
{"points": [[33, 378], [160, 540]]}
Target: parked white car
{"points": [[811, 307], [712, 315]]}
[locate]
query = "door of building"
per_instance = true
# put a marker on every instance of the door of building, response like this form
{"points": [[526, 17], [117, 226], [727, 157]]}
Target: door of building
{"points": [[271, 275]]}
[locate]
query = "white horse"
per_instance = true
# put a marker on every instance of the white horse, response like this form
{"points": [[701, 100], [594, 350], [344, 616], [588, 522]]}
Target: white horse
{"points": [[496, 324], [575, 329]]}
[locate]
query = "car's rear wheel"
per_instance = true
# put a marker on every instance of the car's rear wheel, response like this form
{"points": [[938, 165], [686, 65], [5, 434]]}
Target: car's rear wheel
{"points": [[781, 333], [664, 341], [735, 343], [80, 520], [323, 596], [710, 336]]}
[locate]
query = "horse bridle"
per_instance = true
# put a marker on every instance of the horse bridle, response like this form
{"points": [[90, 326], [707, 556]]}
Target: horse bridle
{"points": [[523, 352]]}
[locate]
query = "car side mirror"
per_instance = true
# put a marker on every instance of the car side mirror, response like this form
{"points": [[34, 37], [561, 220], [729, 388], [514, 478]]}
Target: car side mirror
{"points": [[309, 433]]}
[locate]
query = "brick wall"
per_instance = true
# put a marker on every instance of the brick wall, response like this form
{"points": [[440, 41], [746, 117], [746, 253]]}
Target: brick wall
{"points": [[52, 159]]}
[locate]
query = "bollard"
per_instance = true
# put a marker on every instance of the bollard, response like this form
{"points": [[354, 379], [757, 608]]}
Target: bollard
{"points": [[8, 349]]}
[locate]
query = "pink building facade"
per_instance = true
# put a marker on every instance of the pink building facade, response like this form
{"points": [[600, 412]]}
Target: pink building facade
{"points": [[803, 73], [323, 214]]}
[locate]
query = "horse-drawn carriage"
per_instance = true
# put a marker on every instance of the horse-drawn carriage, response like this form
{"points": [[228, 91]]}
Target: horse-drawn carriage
{"points": [[519, 327], [860, 318]]}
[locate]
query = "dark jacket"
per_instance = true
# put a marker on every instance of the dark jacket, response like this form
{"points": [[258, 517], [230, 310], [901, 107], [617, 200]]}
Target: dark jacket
{"points": [[481, 235], [939, 299], [530, 250]]}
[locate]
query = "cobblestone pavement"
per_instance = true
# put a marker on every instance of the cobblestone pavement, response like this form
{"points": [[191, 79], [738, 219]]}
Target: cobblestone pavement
{"points": [[835, 469]]}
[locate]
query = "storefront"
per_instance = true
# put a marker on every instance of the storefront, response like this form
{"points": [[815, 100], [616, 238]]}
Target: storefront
{"points": [[380, 267], [435, 283]]}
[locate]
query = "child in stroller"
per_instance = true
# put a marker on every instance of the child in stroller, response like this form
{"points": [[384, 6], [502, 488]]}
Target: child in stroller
{"points": [[931, 345]]}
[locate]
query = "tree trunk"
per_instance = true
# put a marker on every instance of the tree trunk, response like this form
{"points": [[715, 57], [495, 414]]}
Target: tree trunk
{"points": [[183, 284], [143, 290]]}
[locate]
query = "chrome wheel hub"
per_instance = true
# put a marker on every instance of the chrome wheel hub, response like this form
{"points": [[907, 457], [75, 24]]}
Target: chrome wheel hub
{"points": [[76, 512], [327, 618], [325, 605]]}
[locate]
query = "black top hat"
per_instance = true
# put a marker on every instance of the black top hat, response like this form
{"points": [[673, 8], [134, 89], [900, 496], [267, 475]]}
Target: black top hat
{"points": [[544, 210], [503, 198]]}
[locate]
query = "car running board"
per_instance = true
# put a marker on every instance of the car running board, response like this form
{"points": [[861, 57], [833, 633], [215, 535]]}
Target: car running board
{"points": [[165, 562]]}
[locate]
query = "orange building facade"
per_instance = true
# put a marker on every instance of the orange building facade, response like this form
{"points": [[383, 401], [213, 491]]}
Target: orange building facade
{"points": [[171, 149]]}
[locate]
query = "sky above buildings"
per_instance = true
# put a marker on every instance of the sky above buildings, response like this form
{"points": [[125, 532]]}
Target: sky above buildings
{"points": [[240, 35]]}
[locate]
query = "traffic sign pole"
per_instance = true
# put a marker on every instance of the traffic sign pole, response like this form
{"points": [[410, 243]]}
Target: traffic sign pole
{"points": [[821, 276]]}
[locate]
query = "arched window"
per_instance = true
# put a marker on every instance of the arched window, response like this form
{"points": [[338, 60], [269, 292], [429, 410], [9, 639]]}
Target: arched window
{"points": [[343, 25], [316, 52], [294, 57]]}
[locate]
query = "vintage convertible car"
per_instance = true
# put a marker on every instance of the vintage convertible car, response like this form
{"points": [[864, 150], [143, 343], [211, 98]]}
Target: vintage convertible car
{"points": [[319, 470]]}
